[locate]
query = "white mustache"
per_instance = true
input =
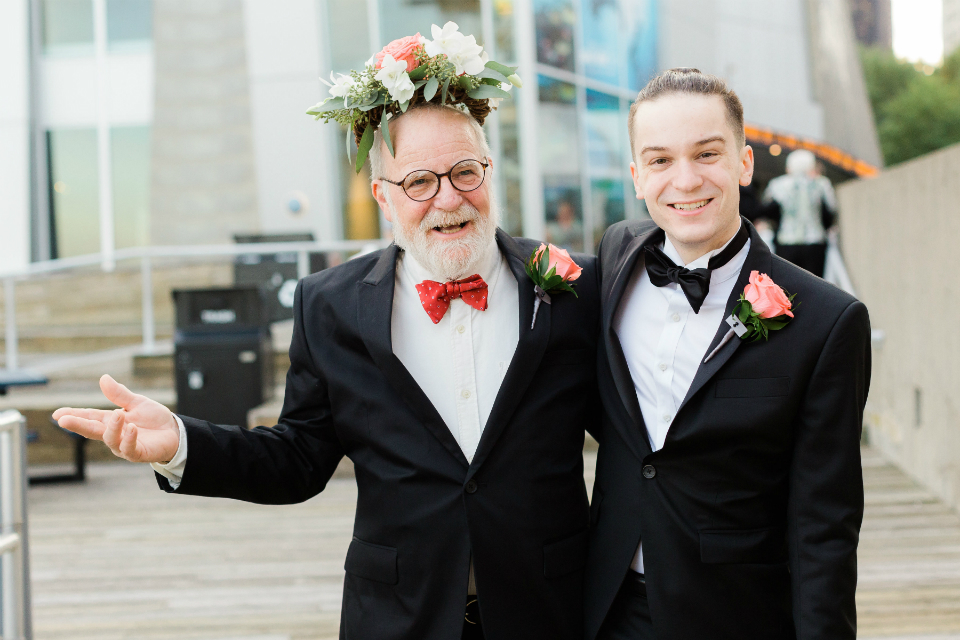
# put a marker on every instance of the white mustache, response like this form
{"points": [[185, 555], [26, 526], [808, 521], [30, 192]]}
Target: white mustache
{"points": [[438, 218]]}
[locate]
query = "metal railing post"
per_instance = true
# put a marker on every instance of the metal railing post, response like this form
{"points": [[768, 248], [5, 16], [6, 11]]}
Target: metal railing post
{"points": [[146, 293], [10, 311], [15, 618]]}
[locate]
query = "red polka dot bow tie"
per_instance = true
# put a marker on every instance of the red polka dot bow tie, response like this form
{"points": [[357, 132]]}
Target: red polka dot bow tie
{"points": [[435, 296]]}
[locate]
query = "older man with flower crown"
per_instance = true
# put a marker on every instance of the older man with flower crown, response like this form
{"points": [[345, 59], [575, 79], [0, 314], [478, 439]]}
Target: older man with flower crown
{"points": [[456, 369]]}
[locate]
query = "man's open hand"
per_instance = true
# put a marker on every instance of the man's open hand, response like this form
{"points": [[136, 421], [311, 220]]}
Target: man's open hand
{"points": [[141, 430]]}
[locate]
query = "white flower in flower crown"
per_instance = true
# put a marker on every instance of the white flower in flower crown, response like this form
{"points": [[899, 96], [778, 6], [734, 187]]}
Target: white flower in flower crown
{"points": [[447, 41], [393, 76], [339, 87], [471, 58]]}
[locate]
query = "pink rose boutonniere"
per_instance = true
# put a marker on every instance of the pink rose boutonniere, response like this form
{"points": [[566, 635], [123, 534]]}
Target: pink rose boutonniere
{"points": [[552, 270], [403, 49], [763, 307]]}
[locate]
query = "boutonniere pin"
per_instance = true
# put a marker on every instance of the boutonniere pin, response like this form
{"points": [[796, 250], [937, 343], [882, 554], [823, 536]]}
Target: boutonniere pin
{"points": [[552, 270], [763, 307]]}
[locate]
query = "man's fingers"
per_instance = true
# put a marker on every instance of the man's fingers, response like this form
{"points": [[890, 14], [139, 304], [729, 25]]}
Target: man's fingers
{"points": [[89, 414], [113, 425], [92, 429], [128, 442], [116, 392]]}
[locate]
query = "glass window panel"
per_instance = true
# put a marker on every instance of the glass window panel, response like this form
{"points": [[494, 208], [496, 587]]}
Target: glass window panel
{"points": [[401, 18], [509, 168], [347, 29], [504, 26], [609, 205], [561, 199], [555, 21], [606, 135], [361, 213], [640, 18], [603, 28], [67, 26], [559, 156], [129, 21], [74, 198], [130, 157]]}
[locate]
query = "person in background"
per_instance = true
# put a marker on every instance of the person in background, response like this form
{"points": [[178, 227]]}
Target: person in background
{"points": [[804, 203]]}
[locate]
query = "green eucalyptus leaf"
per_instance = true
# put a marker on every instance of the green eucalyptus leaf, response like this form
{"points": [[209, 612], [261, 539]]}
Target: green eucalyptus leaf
{"points": [[349, 138], [489, 73], [465, 83], [443, 98], [385, 132], [366, 141], [502, 69], [431, 89], [487, 91], [419, 73], [404, 105]]}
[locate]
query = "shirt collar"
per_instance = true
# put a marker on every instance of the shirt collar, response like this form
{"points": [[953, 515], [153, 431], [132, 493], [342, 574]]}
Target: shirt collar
{"points": [[720, 274]]}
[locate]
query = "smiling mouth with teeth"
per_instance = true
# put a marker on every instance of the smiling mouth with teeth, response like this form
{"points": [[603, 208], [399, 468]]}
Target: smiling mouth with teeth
{"points": [[692, 205], [452, 228]]}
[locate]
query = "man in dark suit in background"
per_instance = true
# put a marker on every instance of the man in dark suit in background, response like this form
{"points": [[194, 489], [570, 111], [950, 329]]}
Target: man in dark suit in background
{"points": [[463, 417], [728, 496]]}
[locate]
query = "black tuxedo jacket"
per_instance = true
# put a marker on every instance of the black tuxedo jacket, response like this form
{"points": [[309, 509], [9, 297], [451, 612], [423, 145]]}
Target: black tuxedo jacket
{"points": [[750, 513], [520, 508]]}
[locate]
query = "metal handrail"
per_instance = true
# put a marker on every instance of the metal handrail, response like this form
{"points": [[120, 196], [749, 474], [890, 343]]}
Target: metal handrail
{"points": [[146, 256], [15, 608]]}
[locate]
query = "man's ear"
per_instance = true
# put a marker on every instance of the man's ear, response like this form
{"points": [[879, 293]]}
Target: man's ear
{"points": [[378, 188], [635, 173], [746, 165]]}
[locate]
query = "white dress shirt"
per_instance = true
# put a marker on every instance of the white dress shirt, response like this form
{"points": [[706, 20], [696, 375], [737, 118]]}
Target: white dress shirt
{"points": [[664, 341], [459, 362]]}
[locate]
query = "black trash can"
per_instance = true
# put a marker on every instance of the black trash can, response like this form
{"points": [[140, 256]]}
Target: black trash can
{"points": [[275, 273], [223, 353]]}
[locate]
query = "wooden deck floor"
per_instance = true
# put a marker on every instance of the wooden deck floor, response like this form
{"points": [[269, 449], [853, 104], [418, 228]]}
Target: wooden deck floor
{"points": [[118, 559]]}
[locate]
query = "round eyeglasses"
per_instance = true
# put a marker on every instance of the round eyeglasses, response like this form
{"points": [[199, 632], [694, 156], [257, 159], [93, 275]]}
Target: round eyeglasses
{"points": [[423, 184]]}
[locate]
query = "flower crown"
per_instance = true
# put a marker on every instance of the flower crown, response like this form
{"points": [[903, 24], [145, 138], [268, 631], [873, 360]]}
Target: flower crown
{"points": [[451, 69]]}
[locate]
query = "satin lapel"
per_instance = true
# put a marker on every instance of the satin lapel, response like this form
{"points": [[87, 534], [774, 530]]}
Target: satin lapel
{"points": [[375, 309], [526, 359], [758, 259], [635, 434]]}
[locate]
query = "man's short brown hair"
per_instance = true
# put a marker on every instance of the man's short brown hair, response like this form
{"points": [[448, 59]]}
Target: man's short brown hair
{"points": [[693, 81]]}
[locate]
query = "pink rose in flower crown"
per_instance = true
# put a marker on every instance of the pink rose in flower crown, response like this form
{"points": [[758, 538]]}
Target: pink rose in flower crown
{"points": [[766, 297], [402, 49], [561, 260]]}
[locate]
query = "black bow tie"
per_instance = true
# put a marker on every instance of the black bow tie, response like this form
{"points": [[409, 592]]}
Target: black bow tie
{"points": [[695, 283]]}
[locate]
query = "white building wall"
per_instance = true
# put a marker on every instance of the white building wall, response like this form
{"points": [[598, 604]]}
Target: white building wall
{"points": [[69, 86], [951, 26], [759, 47], [293, 159], [14, 135]]}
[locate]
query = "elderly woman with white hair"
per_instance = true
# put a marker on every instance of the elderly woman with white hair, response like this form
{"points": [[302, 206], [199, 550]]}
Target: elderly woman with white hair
{"points": [[807, 206]]}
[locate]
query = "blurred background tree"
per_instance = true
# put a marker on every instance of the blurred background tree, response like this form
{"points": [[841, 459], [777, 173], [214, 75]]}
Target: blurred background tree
{"points": [[916, 107]]}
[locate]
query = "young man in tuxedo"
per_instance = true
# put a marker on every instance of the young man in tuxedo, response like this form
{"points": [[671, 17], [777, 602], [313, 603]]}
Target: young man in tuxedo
{"points": [[464, 418], [728, 495]]}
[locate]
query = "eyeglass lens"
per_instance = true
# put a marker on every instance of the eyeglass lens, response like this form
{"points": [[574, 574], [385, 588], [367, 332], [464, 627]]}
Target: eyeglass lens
{"points": [[466, 175]]}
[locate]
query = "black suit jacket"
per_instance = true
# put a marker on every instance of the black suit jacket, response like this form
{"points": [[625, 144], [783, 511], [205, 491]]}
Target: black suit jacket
{"points": [[520, 507], [750, 513]]}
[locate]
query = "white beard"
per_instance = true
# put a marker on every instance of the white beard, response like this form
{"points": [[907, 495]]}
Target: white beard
{"points": [[449, 259]]}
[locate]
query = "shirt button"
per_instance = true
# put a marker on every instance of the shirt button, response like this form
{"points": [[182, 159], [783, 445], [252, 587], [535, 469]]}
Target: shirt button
{"points": [[663, 366], [675, 317], [465, 393], [461, 328], [666, 417], [649, 471], [471, 486]]}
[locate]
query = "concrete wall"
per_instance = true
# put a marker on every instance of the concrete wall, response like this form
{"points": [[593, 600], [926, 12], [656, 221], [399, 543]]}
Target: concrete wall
{"points": [[900, 233], [204, 186]]}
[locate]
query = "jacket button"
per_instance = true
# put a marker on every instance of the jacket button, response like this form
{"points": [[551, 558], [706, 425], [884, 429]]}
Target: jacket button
{"points": [[471, 486], [649, 471]]}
